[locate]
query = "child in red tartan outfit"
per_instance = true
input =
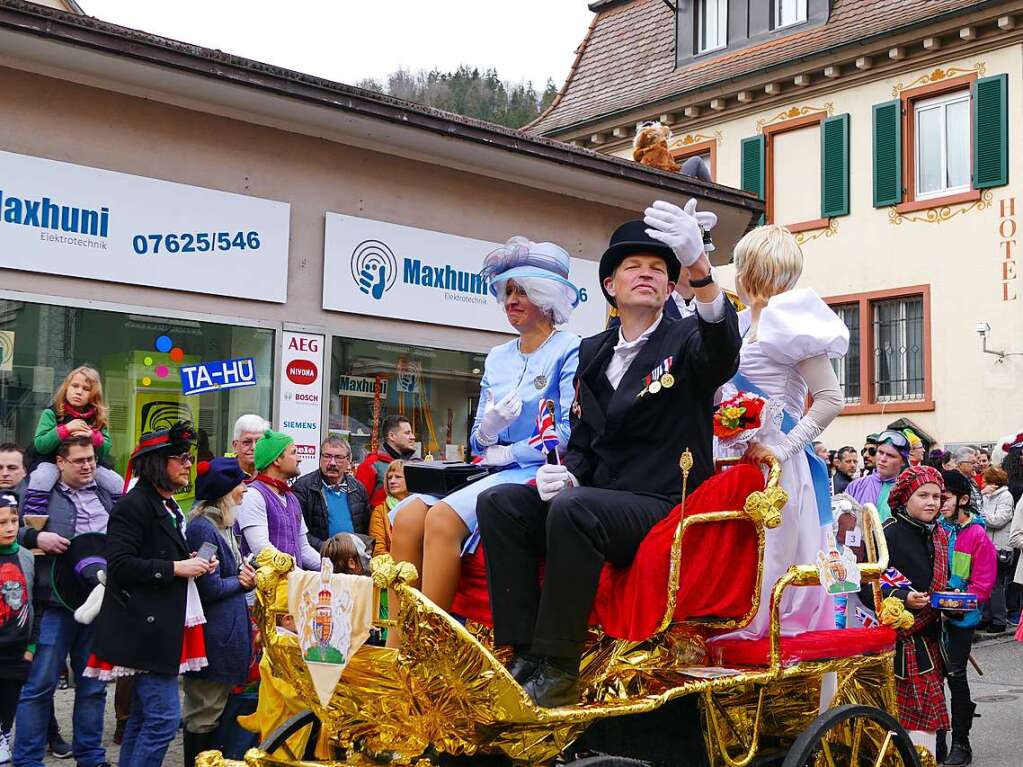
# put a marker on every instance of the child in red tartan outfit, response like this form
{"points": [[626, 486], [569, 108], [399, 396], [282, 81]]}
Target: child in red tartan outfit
{"points": [[918, 550]]}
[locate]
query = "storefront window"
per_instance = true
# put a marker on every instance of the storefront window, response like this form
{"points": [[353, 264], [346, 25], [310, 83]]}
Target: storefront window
{"points": [[138, 358], [436, 389]]}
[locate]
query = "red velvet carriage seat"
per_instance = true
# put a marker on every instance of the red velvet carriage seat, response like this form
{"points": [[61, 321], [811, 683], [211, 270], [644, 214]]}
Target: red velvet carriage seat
{"points": [[718, 576], [809, 646]]}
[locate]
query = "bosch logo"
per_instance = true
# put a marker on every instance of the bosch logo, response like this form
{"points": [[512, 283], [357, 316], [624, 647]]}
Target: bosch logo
{"points": [[302, 372], [314, 398]]}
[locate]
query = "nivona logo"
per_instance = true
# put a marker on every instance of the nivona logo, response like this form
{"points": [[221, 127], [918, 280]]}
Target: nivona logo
{"points": [[374, 268]]}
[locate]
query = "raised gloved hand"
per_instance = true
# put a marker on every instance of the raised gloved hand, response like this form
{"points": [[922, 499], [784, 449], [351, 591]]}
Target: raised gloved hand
{"points": [[551, 479], [87, 613], [679, 229], [499, 455], [498, 416]]}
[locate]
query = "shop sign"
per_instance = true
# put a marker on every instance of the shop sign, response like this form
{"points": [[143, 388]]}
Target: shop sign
{"points": [[361, 386], [59, 218], [6, 351], [301, 389], [223, 374], [388, 270]]}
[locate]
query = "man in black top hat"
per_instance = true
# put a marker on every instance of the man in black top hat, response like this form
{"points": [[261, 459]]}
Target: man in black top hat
{"points": [[644, 394]]}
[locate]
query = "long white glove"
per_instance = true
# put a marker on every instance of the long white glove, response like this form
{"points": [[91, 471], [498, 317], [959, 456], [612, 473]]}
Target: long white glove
{"points": [[680, 230], [551, 479], [499, 455], [497, 417]]}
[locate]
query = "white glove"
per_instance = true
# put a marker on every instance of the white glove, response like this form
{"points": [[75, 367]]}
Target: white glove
{"points": [[551, 479], [499, 455], [680, 230], [87, 613], [497, 417]]}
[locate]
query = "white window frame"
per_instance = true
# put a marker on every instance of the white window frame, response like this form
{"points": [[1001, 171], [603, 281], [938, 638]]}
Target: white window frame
{"points": [[721, 8], [941, 102], [801, 13]]}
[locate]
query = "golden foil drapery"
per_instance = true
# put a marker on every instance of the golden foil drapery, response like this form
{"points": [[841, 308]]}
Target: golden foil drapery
{"points": [[445, 690]]}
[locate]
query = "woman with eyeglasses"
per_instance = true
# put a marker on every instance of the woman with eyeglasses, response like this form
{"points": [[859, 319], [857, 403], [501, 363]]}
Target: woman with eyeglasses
{"points": [[150, 626], [891, 458]]}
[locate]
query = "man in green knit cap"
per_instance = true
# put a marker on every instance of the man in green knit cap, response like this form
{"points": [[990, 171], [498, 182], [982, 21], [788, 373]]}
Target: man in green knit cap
{"points": [[270, 514]]}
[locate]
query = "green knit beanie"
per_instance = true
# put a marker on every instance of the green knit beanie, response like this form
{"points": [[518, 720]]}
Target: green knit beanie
{"points": [[269, 447]]}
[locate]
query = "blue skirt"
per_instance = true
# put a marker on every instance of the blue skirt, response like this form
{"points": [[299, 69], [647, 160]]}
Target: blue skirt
{"points": [[463, 500]]}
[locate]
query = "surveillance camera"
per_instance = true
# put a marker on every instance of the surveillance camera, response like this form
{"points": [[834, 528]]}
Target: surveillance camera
{"points": [[983, 328]]}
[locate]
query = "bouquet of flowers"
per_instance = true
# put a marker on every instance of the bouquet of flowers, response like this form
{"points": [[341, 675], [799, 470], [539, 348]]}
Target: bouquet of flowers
{"points": [[738, 414]]}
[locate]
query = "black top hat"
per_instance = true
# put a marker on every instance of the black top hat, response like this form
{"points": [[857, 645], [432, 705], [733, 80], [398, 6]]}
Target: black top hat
{"points": [[180, 437], [629, 238], [73, 574]]}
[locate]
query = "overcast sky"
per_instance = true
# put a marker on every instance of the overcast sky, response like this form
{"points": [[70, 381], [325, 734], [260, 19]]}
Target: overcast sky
{"points": [[347, 40]]}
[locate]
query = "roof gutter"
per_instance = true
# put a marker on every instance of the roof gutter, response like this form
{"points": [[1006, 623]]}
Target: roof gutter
{"points": [[88, 32], [653, 105]]}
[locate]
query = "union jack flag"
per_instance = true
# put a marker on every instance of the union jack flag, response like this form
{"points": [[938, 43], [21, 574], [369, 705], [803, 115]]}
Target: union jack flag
{"points": [[866, 618], [893, 579], [545, 433]]}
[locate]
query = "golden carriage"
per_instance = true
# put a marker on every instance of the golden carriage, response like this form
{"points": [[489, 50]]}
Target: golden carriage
{"points": [[445, 697]]}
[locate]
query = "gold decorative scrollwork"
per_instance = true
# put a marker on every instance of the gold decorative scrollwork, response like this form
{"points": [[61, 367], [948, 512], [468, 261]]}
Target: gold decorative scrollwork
{"points": [[695, 138], [793, 112], [944, 213], [939, 74], [815, 234]]}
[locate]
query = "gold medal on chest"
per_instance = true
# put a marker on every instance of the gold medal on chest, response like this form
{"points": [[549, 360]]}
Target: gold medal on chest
{"points": [[667, 380]]}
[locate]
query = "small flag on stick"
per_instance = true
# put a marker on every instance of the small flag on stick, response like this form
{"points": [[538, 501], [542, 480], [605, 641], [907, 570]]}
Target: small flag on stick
{"points": [[545, 434], [893, 579]]}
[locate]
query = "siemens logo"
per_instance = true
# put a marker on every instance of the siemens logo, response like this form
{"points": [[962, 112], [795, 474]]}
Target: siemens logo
{"points": [[300, 425], [444, 277], [46, 214]]}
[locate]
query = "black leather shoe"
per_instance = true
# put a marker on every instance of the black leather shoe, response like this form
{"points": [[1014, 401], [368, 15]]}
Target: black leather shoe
{"points": [[551, 687], [523, 667], [960, 754]]}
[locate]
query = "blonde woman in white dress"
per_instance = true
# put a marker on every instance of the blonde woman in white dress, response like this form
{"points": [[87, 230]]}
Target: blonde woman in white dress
{"points": [[790, 336]]}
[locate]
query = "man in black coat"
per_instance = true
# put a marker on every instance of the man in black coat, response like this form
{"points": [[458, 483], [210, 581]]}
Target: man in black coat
{"points": [[644, 394], [332, 500], [141, 624]]}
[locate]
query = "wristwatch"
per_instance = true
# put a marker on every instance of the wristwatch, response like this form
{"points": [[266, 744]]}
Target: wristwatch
{"points": [[704, 282]]}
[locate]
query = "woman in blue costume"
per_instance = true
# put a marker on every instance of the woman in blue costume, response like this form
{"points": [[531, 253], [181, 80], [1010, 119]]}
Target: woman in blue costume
{"points": [[530, 281]]}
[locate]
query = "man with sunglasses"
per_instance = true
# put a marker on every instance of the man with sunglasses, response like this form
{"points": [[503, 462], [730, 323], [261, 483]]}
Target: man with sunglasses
{"points": [[77, 505], [891, 458], [868, 452]]}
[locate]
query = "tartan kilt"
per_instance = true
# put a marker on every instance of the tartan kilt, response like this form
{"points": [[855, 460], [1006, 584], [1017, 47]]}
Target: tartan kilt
{"points": [[921, 696]]}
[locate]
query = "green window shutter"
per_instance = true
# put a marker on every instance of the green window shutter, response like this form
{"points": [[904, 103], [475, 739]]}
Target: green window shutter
{"points": [[990, 132], [753, 175], [835, 166], [887, 153]]}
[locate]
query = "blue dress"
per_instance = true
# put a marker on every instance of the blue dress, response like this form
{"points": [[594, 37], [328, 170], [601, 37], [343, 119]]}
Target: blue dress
{"points": [[546, 373]]}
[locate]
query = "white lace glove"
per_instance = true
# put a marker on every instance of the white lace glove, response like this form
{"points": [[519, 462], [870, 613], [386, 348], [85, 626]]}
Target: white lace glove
{"points": [[497, 417], [680, 230], [552, 479], [499, 455]]}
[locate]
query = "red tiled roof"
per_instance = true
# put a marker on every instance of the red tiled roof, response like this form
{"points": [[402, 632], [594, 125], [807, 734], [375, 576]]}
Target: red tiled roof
{"points": [[628, 57]]}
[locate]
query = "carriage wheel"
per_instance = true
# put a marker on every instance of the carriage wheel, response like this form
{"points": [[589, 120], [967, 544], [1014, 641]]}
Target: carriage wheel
{"points": [[278, 740], [853, 736], [607, 761]]}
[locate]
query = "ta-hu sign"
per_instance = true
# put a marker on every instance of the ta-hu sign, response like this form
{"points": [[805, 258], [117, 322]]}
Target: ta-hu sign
{"points": [[59, 218]]}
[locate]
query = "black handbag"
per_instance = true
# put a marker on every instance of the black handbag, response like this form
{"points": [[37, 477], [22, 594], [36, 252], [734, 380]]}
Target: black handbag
{"points": [[443, 477]]}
